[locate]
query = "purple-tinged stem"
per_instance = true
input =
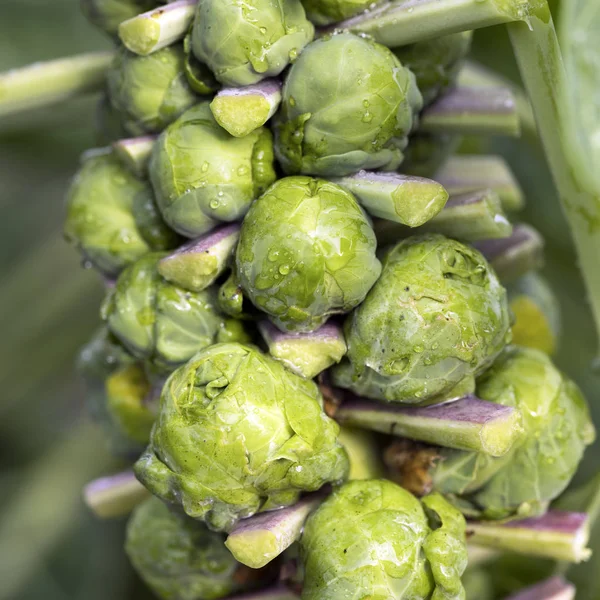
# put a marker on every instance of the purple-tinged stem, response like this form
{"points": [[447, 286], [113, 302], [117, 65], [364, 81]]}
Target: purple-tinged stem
{"points": [[555, 588], [197, 264], [466, 424], [240, 111], [403, 199], [402, 22], [516, 255], [462, 174], [473, 111], [135, 153], [258, 540], [306, 354], [558, 535], [115, 495], [157, 28]]}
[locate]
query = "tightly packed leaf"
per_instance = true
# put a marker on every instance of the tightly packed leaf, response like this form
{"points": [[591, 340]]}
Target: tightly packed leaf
{"points": [[161, 322], [202, 175], [373, 539], [557, 429], [355, 114], [111, 215], [149, 91], [178, 557], [236, 434], [436, 318], [436, 62], [306, 251], [262, 37]]}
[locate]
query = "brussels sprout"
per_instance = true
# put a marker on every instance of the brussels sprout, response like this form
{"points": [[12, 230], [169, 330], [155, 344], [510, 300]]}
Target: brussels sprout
{"points": [[149, 91], [127, 391], [202, 175], [537, 313], [436, 62], [373, 539], [306, 251], [325, 12], [355, 114], [111, 215], [436, 318], [263, 37], [539, 466], [178, 557], [159, 321], [109, 14], [103, 359], [236, 434]]}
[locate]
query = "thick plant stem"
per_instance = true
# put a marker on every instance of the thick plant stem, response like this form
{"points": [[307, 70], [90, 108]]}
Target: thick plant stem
{"points": [[465, 424], [47, 83], [135, 153], [114, 496], [538, 54], [557, 535], [473, 111], [157, 28], [402, 22]]}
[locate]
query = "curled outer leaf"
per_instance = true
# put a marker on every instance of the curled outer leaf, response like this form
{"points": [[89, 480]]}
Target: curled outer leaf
{"points": [[237, 434]]}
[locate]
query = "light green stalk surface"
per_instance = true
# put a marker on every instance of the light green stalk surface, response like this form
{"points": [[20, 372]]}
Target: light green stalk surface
{"points": [[46, 83]]}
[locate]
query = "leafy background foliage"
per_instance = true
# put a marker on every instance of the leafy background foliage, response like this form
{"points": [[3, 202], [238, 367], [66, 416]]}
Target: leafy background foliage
{"points": [[50, 546]]}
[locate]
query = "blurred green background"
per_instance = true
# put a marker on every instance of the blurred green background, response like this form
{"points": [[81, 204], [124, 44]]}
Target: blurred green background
{"points": [[50, 546]]}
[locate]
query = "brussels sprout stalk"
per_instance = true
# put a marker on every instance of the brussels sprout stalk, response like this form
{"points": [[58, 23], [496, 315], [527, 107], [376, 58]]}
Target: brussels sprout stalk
{"points": [[157, 28], [468, 217], [558, 535], [135, 153], [554, 588], [46, 83], [465, 424], [242, 110], [306, 354], [469, 173], [516, 255], [402, 22], [536, 45], [473, 111], [114, 496], [257, 541], [197, 264], [404, 199]]}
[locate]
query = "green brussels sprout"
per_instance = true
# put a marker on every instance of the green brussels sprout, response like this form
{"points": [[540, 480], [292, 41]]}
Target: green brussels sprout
{"points": [[436, 62], [149, 91], [325, 12], [436, 318], [306, 252], [109, 14], [537, 321], [178, 557], [557, 428], [202, 175], [263, 37], [373, 539], [111, 215], [237, 433], [159, 321], [101, 360], [355, 114]]}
